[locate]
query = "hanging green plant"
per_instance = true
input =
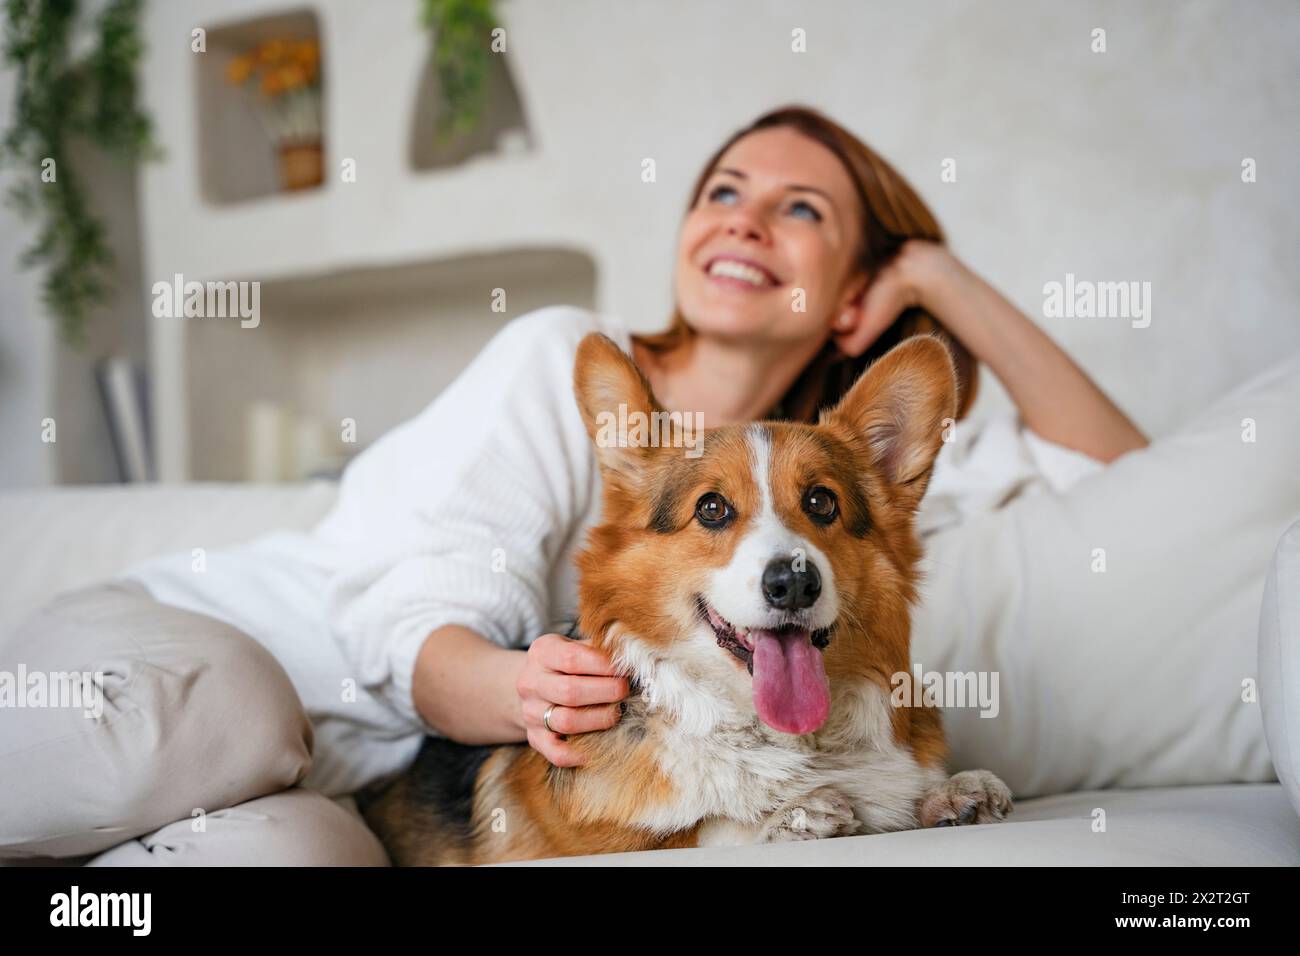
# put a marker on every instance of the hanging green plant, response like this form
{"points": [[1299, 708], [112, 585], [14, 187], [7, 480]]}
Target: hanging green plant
{"points": [[62, 101], [462, 35]]}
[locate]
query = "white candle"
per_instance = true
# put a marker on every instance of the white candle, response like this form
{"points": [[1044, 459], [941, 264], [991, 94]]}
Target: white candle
{"points": [[268, 442]]}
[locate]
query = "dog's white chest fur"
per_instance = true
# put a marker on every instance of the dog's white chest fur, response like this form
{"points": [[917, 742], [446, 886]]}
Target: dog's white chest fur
{"points": [[732, 772]]}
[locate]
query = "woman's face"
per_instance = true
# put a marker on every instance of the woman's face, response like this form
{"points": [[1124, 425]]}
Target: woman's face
{"points": [[778, 215]]}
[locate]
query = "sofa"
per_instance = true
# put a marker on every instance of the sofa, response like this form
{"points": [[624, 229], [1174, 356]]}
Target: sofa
{"points": [[1131, 751]]}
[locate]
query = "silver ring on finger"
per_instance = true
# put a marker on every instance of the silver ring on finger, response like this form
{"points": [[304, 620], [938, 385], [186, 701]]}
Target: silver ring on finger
{"points": [[546, 720]]}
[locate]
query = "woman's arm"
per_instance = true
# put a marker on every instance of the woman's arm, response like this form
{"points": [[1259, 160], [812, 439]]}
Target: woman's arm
{"points": [[464, 687], [452, 524], [475, 692], [1056, 398]]}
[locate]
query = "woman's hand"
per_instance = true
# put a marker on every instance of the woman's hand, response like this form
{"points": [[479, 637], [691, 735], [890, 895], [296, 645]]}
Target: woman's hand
{"points": [[581, 682], [902, 284], [1055, 398]]}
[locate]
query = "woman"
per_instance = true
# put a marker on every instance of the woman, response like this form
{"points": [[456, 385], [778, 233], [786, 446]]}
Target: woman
{"points": [[803, 257]]}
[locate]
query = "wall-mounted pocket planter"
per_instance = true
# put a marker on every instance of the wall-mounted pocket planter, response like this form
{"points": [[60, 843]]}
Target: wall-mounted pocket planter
{"points": [[502, 128], [261, 108]]}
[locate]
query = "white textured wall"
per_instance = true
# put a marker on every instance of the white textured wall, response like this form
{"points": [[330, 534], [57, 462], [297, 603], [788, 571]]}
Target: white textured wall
{"points": [[1123, 165], [42, 378], [26, 349]]}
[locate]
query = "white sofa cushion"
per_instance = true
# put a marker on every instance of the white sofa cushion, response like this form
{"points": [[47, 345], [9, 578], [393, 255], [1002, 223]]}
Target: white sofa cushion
{"points": [[1132, 676], [56, 539], [1279, 662]]}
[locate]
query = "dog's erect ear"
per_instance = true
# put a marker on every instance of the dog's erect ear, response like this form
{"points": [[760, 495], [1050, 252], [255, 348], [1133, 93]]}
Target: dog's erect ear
{"points": [[612, 393], [901, 405]]}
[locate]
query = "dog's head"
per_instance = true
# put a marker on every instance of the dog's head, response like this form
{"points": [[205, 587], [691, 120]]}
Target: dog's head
{"points": [[778, 559]]}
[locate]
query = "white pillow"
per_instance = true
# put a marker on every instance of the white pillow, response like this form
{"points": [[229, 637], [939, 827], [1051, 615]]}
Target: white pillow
{"points": [[56, 539], [1138, 675], [1279, 662]]}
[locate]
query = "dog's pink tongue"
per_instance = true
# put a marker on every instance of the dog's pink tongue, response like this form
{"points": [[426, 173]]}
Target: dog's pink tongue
{"points": [[790, 689]]}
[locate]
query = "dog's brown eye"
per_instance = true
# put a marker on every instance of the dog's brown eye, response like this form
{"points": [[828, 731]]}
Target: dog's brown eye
{"points": [[712, 510], [820, 504]]}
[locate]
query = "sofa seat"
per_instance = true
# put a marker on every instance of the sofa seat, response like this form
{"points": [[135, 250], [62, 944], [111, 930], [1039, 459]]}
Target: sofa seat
{"points": [[1249, 824], [62, 538]]}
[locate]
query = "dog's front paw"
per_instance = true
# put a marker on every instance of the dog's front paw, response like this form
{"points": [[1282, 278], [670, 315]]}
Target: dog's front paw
{"points": [[972, 796], [825, 812]]}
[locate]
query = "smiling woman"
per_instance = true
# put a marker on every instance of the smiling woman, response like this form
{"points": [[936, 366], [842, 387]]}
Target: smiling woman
{"points": [[439, 592], [786, 227]]}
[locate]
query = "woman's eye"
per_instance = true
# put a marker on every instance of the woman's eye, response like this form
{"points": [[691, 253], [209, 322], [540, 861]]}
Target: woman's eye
{"points": [[820, 504], [712, 510], [800, 208], [812, 210]]}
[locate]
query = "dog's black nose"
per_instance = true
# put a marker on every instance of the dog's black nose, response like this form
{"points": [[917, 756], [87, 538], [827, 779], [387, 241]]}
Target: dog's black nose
{"points": [[788, 589]]}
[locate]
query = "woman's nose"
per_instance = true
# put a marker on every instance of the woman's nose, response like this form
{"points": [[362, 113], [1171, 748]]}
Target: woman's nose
{"points": [[745, 222], [746, 231]]}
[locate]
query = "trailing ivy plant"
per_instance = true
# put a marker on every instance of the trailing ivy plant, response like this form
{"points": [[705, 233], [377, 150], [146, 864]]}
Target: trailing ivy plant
{"points": [[61, 103], [462, 31]]}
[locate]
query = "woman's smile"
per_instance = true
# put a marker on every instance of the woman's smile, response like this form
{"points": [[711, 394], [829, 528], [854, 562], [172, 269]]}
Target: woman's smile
{"points": [[735, 272]]}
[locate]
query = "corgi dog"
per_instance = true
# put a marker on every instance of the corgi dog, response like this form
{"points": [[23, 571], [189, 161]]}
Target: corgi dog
{"points": [[757, 596]]}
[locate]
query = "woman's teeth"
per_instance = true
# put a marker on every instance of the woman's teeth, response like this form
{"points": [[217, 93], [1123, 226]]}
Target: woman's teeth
{"points": [[738, 270]]}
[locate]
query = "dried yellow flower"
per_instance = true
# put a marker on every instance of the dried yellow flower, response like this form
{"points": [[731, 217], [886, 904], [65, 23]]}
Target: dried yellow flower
{"points": [[272, 51], [239, 69]]}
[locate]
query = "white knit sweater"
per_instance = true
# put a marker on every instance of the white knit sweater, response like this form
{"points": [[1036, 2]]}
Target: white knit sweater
{"points": [[470, 514]]}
